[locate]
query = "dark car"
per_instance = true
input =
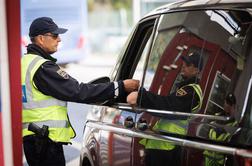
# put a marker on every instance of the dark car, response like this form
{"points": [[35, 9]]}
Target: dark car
{"points": [[221, 32]]}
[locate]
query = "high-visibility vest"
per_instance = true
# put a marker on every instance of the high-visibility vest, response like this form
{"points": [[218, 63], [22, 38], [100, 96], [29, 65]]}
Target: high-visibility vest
{"points": [[42, 109], [172, 126], [216, 158]]}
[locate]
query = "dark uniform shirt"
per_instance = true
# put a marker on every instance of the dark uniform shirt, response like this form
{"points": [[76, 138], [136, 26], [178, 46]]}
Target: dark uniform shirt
{"points": [[182, 100], [51, 80]]}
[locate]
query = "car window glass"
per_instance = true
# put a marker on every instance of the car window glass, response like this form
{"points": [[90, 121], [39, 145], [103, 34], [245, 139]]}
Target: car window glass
{"points": [[160, 44], [138, 73], [222, 39], [218, 94], [120, 57]]}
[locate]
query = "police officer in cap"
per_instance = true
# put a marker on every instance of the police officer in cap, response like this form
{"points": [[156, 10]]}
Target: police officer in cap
{"points": [[45, 90], [180, 100], [220, 132], [186, 98]]}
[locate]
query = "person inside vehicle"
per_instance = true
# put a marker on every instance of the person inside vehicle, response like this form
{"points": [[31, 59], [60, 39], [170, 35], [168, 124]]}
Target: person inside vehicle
{"points": [[186, 90], [186, 98], [46, 88]]}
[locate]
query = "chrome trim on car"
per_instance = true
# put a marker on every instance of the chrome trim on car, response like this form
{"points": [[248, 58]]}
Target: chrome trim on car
{"points": [[165, 112], [246, 98], [176, 141]]}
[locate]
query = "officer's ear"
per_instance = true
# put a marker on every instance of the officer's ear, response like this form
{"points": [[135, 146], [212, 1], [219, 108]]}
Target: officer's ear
{"points": [[39, 40], [195, 70]]}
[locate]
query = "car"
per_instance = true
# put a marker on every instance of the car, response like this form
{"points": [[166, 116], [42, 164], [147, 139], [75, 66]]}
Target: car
{"points": [[221, 31]]}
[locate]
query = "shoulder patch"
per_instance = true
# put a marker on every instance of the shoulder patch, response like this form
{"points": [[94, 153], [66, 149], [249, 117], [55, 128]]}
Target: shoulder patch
{"points": [[63, 74], [181, 92]]}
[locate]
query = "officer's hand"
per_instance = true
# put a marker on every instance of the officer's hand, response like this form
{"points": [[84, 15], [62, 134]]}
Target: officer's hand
{"points": [[132, 98], [131, 85]]}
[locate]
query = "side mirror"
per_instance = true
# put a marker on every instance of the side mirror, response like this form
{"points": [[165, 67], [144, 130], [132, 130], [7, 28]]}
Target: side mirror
{"points": [[100, 80]]}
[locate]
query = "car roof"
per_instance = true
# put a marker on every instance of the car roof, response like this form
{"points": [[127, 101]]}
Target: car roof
{"points": [[200, 4]]}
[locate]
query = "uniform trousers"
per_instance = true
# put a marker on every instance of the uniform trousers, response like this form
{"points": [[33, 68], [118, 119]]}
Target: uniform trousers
{"points": [[156, 157], [53, 154]]}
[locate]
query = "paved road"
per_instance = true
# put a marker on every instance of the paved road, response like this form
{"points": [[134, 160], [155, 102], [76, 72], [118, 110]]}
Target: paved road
{"points": [[77, 114]]}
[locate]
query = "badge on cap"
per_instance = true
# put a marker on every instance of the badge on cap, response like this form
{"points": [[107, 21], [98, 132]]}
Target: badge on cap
{"points": [[181, 92], [63, 74]]}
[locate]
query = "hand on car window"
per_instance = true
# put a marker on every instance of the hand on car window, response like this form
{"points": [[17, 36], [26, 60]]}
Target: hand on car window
{"points": [[131, 85], [132, 98]]}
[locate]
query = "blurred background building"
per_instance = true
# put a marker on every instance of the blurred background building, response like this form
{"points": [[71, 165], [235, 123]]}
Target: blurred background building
{"points": [[95, 27], [110, 22]]}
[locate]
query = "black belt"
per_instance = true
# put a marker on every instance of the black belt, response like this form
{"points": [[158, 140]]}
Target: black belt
{"points": [[30, 137]]}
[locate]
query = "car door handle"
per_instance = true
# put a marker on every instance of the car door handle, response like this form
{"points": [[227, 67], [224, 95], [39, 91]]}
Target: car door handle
{"points": [[129, 123], [142, 124]]}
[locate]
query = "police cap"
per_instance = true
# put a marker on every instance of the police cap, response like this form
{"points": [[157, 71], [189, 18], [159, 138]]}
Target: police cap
{"points": [[44, 25], [195, 59]]}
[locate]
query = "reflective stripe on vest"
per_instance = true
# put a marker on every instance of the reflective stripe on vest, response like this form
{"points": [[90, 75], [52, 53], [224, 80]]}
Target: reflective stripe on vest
{"points": [[221, 137], [51, 123], [215, 158], [172, 126], [42, 109], [30, 104], [43, 104], [198, 91]]}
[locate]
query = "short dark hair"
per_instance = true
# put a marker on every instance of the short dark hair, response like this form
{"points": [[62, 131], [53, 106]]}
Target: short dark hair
{"points": [[32, 39]]}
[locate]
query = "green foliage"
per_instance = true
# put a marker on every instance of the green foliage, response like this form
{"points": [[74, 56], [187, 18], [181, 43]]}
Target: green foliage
{"points": [[117, 4], [90, 5]]}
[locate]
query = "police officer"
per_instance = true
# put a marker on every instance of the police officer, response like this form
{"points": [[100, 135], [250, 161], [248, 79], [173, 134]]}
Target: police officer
{"points": [[45, 90], [186, 98], [218, 133]]}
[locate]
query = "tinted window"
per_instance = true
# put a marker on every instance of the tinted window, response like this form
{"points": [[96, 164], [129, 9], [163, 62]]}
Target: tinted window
{"points": [[222, 38], [134, 55]]}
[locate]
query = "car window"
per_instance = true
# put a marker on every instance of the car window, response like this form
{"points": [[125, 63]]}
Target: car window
{"points": [[139, 71], [132, 56], [222, 39], [160, 44]]}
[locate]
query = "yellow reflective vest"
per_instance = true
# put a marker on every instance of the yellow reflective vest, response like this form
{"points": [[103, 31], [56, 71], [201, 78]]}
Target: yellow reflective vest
{"points": [[216, 158], [172, 126], [42, 109]]}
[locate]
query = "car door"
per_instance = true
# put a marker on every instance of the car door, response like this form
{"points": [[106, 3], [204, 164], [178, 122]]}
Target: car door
{"points": [[109, 131], [217, 133]]}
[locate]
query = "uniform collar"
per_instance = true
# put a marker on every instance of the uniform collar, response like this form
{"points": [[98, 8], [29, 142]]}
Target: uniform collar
{"points": [[192, 80], [35, 49]]}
